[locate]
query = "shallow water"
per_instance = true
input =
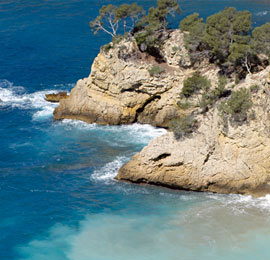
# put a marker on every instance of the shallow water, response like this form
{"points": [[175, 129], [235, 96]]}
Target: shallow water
{"points": [[58, 199]]}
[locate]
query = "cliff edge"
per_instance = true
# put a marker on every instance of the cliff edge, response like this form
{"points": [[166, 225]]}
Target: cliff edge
{"points": [[127, 86], [216, 158]]}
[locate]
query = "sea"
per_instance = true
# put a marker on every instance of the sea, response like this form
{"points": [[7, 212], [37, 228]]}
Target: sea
{"points": [[58, 196]]}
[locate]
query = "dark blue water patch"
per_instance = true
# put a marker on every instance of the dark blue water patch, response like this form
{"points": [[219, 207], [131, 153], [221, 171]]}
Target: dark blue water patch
{"points": [[51, 42]]}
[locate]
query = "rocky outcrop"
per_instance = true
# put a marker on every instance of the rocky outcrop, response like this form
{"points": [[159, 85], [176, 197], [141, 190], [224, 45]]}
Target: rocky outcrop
{"points": [[215, 158], [56, 97], [121, 90], [127, 86]]}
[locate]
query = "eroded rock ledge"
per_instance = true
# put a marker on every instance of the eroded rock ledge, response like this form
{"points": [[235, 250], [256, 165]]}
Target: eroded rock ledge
{"points": [[214, 159], [56, 97]]}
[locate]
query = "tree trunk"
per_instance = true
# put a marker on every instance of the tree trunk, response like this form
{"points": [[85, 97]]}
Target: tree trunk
{"points": [[246, 64]]}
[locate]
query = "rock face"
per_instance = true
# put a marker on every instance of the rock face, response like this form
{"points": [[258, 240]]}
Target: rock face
{"points": [[56, 97], [127, 86], [120, 89], [215, 159]]}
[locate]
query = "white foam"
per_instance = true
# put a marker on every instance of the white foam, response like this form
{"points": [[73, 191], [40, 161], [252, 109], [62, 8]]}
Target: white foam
{"points": [[70, 123], [141, 131], [16, 97], [133, 133], [262, 13], [242, 202], [107, 173]]}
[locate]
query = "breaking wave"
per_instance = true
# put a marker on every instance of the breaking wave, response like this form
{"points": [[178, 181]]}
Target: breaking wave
{"points": [[109, 170], [262, 13], [17, 97]]}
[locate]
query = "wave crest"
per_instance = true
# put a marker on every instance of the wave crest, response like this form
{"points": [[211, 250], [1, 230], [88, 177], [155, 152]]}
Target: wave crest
{"points": [[107, 173], [262, 13], [17, 97]]}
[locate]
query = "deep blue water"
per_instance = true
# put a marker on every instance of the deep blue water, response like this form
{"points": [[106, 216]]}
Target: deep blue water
{"points": [[58, 199]]}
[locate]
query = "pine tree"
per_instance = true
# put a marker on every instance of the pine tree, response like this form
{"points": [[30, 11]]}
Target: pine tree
{"points": [[157, 18], [193, 27], [260, 42], [226, 28], [106, 21], [241, 54], [111, 16], [129, 14]]}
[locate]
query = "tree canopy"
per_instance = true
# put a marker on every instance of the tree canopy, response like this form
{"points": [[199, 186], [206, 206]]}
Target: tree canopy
{"points": [[131, 15], [111, 16], [226, 28], [157, 17], [225, 38], [106, 21], [260, 42], [194, 25]]}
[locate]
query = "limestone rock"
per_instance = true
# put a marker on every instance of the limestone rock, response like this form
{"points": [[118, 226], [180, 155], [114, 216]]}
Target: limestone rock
{"points": [[232, 160], [120, 89], [174, 51], [56, 97]]}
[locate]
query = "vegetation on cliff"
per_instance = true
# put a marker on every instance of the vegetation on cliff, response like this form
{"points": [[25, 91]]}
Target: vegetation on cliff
{"points": [[237, 106], [110, 17], [132, 20], [194, 84], [184, 126], [219, 138], [226, 38], [198, 96]]}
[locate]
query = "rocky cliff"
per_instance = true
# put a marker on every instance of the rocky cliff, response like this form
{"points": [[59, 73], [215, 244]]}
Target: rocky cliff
{"points": [[127, 86], [234, 159]]}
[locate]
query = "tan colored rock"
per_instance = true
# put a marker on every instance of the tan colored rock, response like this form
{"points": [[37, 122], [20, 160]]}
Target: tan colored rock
{"points": [[174, 51], [56, 97], [232, 160], [120, 90]]}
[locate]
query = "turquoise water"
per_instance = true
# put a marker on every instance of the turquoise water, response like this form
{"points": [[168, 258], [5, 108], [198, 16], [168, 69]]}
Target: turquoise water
{"points": [[58, 199]]}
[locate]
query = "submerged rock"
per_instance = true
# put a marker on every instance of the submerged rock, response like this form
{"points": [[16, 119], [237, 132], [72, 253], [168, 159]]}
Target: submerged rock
{"points": [[56, 97]]}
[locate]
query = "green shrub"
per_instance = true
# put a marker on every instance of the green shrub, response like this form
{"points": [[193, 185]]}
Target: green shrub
{"points": [[155, 70], [183, 126], [184, 105], [194, 84], [209, 98], [106, 48], [195, 27], [141, 37], [254, 88], [175, 48], [237, 106], [236, 80], [222, 81], [149, 39], [117, 39]]}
